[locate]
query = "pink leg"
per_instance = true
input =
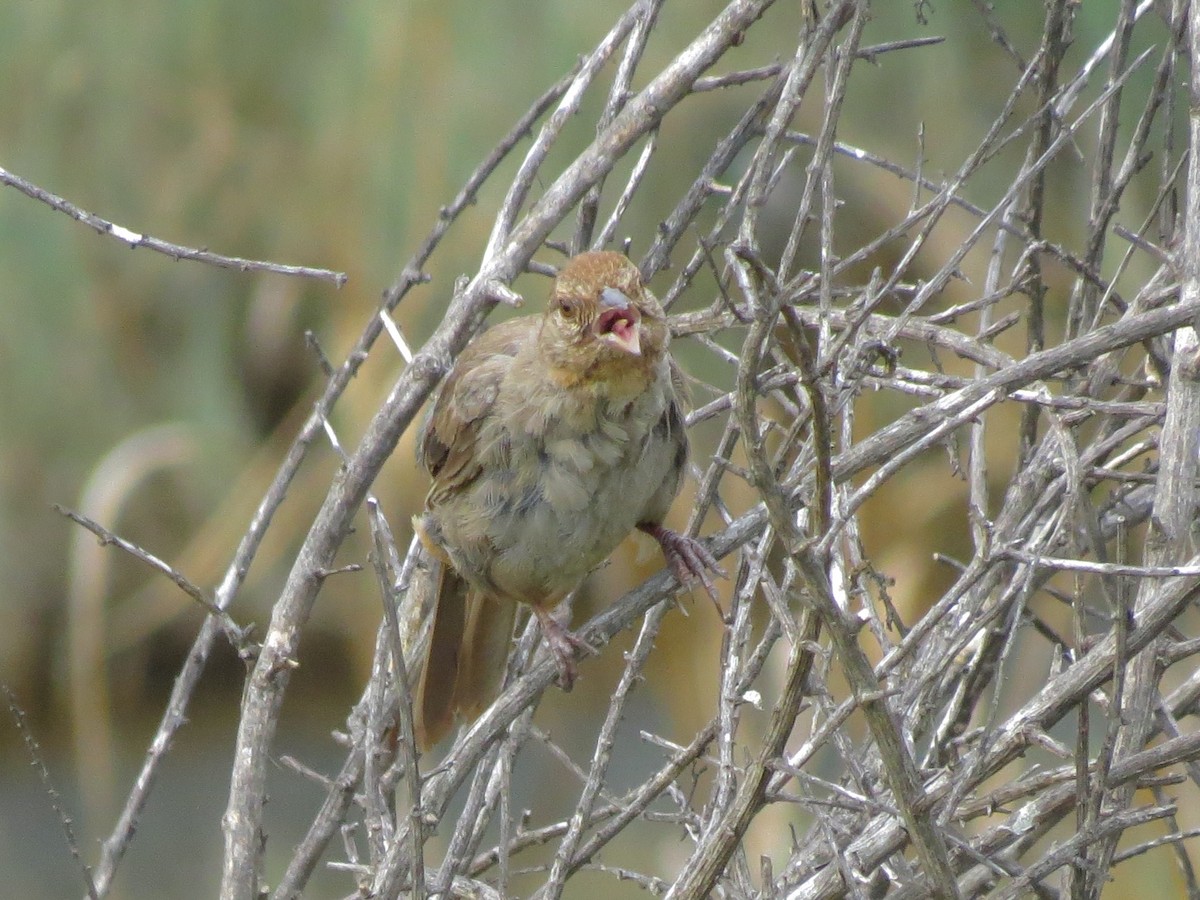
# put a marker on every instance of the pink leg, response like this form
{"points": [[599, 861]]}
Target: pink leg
{"points": [[563, 644], [689, 559]]}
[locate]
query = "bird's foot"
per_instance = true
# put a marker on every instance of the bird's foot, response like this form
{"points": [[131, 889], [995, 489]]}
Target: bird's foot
{"points": [[564, 645], [688, 558]]}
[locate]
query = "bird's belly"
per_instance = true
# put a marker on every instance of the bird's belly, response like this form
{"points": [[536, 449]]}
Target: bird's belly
{"points": [[550, 529], [571, 539]]}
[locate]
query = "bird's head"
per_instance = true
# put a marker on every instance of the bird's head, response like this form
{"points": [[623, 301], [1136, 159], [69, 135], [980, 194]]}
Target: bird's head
{"points": [[601, 319]]}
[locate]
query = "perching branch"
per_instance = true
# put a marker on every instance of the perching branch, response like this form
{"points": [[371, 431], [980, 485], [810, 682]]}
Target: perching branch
{"points": [[943, 439]]}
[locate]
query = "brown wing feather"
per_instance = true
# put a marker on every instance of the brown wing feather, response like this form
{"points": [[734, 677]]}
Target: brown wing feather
{"points": [[447, 445], [456, 672]]}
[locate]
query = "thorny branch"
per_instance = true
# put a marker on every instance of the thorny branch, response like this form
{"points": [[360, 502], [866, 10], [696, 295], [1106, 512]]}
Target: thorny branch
{"points": [[1039, 380], [134, 239]]}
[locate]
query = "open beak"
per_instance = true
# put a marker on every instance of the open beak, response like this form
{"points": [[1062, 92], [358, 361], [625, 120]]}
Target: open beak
{"points": [[618, 321]]}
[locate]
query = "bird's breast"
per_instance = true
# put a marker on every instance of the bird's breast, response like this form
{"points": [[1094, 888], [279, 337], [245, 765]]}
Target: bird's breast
{"points": [[566, 481]]}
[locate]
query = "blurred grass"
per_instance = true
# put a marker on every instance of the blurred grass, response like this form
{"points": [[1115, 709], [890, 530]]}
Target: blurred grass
{"points": [[329, 139]]}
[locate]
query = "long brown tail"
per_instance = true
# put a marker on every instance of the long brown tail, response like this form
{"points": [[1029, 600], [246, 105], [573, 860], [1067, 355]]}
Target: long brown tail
{"points": [[434, 709], [486, 646], [468, 650]]}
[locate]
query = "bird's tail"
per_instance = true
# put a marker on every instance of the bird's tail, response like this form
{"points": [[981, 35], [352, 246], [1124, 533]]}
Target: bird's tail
{"points": [[468, 650], [486, 645], [434, 709]]}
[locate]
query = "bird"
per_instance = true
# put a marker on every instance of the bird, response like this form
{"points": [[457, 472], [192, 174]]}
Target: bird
{"points": [[552, 438]]}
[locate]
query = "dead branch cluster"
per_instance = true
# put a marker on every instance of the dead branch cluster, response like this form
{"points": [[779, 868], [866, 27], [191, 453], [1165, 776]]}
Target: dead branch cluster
{"points": [[1005, 736]]}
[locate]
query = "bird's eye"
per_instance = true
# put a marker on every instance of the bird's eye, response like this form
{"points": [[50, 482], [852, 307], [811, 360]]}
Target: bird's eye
{"points": [[568, 307]]}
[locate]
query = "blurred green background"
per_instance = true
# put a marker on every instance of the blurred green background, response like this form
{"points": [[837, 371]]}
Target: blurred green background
{"points": [[159, 396]]}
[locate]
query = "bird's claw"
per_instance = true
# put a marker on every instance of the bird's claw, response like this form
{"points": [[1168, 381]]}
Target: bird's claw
{"points": [[565, 646], [689, 559]]}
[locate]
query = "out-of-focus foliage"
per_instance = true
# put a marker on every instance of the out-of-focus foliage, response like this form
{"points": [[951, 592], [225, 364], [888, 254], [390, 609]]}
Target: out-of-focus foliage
{"points": [[327, 138]]}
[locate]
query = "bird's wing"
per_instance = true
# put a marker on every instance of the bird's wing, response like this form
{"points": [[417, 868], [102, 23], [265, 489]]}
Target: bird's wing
{"points": [[448, 445]]}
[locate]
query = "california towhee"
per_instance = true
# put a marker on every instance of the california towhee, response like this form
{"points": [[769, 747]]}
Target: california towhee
{"points": [[552, 438]]}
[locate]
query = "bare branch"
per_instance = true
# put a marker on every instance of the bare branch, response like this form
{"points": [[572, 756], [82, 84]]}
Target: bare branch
{"points": [[134, 239], [39, 763], [944, 439]]}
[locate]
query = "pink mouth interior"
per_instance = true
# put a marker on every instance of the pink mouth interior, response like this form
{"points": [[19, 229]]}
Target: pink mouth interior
{"points": [[618, 322], [622, 328]]}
